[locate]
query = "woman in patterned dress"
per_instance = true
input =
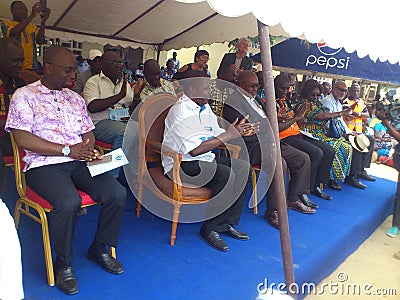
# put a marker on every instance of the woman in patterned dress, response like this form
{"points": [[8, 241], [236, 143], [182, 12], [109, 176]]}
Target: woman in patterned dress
{"points": [[314, 123]]}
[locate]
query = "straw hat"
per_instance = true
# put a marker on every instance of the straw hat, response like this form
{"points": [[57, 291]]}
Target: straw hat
{"points": [[359, 142]]}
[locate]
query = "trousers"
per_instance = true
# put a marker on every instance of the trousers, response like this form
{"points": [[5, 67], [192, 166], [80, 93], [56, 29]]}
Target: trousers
{"points": [[321, 156], [228, 180], [58, 184]]}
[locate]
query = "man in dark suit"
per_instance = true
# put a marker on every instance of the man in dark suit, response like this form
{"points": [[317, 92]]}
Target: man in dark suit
{"points": [[237, 61], [244, 102]]}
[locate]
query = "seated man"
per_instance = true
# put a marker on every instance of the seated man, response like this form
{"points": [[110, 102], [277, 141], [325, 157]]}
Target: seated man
{"points": [[51, 123], [106, 93], [360, 160], [153, 83], [246, 102], [191, 128]]}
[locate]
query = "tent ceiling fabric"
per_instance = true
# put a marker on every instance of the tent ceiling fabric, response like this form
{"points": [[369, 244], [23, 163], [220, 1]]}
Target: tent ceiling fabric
{"points": [[358, 25]]}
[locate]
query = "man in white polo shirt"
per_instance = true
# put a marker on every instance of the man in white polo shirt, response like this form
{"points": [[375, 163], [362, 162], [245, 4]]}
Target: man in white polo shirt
{"points": [[191, 128]]}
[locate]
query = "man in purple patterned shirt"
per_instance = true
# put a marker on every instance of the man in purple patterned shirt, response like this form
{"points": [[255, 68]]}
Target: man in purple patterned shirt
{"points": [[51, 123]]}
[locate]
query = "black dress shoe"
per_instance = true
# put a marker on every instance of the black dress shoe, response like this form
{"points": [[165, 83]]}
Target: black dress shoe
{"points": [[364, 175], [272, 218], [334, 185], [306, 201], [66, 280], [106, 261], [300, 207], [319, 193], [353, 180], [214, 240], [236, 234]]}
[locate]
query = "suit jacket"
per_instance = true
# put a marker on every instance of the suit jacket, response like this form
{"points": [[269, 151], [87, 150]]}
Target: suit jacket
{"points": [[229, 59], [258, 145], [236, 106]]}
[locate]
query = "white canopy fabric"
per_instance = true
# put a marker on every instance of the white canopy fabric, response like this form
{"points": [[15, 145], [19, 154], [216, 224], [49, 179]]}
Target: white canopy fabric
{"points": [[369, 28]]}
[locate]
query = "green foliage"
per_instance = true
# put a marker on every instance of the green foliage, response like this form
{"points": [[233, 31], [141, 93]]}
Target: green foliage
{"points": [[254, 42]]}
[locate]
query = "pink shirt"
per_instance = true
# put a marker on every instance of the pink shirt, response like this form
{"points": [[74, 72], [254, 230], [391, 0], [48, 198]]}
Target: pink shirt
{"points": [[58, 116]]}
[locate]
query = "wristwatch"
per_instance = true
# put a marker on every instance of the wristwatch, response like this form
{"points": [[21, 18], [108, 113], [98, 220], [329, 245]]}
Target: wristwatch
{"points": [[66, 151]]}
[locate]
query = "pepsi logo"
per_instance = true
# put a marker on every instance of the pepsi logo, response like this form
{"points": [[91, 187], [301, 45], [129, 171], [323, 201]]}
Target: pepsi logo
{"points": [[324, 49]]}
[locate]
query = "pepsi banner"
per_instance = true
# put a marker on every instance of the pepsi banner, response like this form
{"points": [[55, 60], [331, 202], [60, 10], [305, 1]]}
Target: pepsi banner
{"points": [[291, 53]]}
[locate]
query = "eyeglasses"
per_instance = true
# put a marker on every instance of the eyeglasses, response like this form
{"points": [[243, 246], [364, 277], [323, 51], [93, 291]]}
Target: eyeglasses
{"points": [[114, 63], [254, 85], [342, 90], [67, 70]]}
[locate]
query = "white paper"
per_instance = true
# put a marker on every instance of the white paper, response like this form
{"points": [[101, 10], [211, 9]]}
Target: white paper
{"points": [[118, 159], [308, 134], [118, 114]]}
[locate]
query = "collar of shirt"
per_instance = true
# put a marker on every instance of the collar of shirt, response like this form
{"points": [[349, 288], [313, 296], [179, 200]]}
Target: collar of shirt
{"points": [[103, 76], [255, 105], [191, 105]]}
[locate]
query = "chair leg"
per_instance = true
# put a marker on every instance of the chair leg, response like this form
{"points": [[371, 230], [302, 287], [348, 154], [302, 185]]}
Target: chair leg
{"points": [[17, 213], [177, 209], [47, 248], [113, 252], [254, 194], [139, 200]]}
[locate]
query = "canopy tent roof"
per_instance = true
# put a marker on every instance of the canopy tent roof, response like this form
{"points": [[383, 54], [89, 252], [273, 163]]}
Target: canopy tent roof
{"points": [[174, 24], [318, 59], [143, 24]]}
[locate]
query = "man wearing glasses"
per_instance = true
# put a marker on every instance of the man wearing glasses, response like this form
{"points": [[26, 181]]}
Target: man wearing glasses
{"points": [[360, 160], [51, 123], [108, 97]]}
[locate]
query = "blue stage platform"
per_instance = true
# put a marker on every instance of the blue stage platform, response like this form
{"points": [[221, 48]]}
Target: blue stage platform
{"points": [[191, 269]]}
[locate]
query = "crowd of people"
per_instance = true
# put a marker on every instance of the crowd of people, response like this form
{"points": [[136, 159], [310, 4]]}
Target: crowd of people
{"points": [[58, 118]]}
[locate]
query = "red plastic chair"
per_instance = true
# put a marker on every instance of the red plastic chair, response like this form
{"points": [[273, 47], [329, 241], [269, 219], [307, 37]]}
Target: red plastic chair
{"points": [[29, 200]]}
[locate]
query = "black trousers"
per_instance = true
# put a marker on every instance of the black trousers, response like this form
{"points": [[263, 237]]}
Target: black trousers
{"points": [[5, 150], [362, 160], [396, 210], [321, 156], [228, 180], [58, 184]]}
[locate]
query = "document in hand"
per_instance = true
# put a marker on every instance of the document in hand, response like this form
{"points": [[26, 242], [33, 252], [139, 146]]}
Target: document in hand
{"points": [[118, 159]]}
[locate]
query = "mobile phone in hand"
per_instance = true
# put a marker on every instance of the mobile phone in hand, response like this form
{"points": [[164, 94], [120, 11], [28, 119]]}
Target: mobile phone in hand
{"points": [[42, 8]]}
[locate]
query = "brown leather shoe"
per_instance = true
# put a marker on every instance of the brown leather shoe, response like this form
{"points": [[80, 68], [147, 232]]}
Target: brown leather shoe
{"points": [[272, 218], [300, 207]]}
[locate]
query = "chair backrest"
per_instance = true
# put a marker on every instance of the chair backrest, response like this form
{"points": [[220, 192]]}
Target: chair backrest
{"points": [[151, 124], [19, 165]]}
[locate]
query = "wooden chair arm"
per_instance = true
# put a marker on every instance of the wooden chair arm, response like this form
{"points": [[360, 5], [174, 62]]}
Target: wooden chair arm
{"points": [[177, 158], [234, 150]]}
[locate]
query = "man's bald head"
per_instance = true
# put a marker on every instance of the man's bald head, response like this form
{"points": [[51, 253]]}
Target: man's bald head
{"points": [[58, 67], [339, 90], [248, 81], [152, 72], [53, 53], [282, 84]]}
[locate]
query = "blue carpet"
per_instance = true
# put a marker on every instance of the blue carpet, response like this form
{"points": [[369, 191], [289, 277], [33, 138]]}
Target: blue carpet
{"points": [[193, 270]]}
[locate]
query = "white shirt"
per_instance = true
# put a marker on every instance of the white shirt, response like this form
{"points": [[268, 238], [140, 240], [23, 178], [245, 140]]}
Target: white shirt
{"points": [[254, 105], [334, 106], [101, 87], [187, 125]]}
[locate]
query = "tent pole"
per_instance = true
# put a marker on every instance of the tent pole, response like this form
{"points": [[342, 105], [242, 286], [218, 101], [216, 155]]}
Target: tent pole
{"points": [[266, 60]]}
